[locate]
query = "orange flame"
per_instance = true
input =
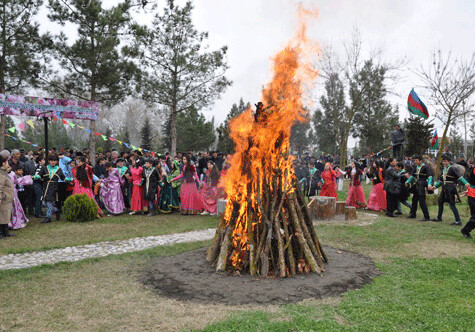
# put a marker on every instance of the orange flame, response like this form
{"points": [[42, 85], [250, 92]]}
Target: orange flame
{"points": [[262, 145]]}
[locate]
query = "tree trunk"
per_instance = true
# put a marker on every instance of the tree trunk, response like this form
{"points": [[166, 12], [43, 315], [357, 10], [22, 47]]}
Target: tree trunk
{"points": [[442, 145], [173, 131], [3, 121]]}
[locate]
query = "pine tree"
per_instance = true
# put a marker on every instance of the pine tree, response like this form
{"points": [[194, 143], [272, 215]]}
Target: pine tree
{"points": [[418, 134], [181, 74], [301, 135], [20, 48], [374, 117], [225, 143], [146, 135], [329, 121], [93, 68], [193, 131]]}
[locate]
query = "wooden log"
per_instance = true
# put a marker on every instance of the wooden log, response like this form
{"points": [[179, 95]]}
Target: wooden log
{"points": [[325, 207], [350, 213], [280, 247], [306, 213], [252, 245], [224, 252], [301, 239], [213, 249], [288, 245], [308, 237], [340, 207]]}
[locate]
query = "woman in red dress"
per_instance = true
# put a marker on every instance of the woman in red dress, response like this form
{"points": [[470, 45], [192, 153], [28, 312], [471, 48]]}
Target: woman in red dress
{"points": [[377, 197], [137, 201], [83, 181], [210, 191], [328, 181], [356, 196], [191, 202]]}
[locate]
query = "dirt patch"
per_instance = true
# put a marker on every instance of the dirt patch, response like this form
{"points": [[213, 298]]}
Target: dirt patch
{"points": [[188, 277], [364, 219]]}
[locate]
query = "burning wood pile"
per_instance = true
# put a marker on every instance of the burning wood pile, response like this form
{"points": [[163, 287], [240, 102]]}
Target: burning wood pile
{"points": [[266, 228]]}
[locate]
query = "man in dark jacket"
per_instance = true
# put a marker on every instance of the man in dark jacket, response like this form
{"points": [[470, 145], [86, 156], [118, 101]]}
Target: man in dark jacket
{"points": [[448, 180], [421, 179], [392, 186]]}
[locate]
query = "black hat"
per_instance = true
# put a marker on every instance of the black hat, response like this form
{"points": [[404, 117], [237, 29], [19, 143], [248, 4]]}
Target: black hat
{"points": [[446, 157]]}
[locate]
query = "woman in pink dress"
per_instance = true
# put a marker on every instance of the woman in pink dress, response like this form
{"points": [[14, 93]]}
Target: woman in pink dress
{"points": [[83, 181], [377, 197], [19, 219], [329, 183], [209, 189], [191, 202], [356, 196], [137, 201]]}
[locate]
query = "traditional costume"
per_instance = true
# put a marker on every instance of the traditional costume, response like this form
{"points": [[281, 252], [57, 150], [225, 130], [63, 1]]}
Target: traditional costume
{"points": [[19, 219], [211, 192], [419, 182], [191, 202], [111, 194], [448, 181], [137, 200], [329, 183], [471, 203], [85, 185], [377, 197], [150, 182], [123, 171], [356, 196], [51, 176]]}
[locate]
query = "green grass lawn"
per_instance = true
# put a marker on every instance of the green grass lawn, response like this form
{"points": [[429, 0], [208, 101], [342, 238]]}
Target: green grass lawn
{"points": [[37, 236], [426, 282]]}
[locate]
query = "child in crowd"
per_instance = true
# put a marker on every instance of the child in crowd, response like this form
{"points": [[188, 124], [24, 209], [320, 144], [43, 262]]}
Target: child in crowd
{"points": [[51, 174]]}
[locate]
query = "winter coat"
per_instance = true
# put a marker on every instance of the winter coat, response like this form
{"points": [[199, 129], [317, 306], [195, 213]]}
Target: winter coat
{"points": [[7, 193]]}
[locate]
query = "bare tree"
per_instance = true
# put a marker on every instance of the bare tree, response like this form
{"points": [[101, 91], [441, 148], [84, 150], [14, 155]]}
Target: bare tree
{"points": [[451, 84]]}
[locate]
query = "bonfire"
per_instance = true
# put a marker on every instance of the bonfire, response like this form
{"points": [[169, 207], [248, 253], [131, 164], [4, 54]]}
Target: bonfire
{"points": [[266, 228]]}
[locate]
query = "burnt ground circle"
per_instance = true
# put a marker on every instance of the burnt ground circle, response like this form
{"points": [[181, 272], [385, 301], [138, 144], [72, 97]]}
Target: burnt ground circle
{"points": [[188, 277]]}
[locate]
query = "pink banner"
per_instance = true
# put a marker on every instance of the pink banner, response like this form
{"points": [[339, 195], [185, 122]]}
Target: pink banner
{"points": [[46, 107]]}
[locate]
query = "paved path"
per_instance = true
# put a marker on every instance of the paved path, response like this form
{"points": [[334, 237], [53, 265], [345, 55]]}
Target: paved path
{"points": [[101, 249]]}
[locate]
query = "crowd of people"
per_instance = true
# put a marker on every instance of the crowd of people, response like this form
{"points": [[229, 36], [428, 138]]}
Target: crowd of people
{"points": [[394, 181], [132, 182]]}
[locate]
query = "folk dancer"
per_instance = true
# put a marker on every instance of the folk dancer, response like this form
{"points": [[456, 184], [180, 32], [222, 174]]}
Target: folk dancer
{"points": [[421, 180], [448, 180], [356, 195], [191, 202], [51, 175], [328, 181], [471, 203]]}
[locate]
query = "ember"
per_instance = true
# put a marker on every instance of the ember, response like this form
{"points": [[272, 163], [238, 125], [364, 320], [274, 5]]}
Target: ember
{"points": [[266, 228]]}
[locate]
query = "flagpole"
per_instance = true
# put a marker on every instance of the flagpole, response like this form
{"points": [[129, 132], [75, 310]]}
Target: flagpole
{"points": [[46, 136]]}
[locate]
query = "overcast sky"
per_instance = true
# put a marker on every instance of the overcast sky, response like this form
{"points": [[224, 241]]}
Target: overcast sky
{"points": [[255, 30]]}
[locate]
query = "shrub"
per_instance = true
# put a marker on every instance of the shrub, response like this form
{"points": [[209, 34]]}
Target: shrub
{"points": [[79, 208]]}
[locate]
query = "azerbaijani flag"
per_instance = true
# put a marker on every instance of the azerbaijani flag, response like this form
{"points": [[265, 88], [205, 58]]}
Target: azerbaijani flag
{"points": [[416, 106], [434, 142]]}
